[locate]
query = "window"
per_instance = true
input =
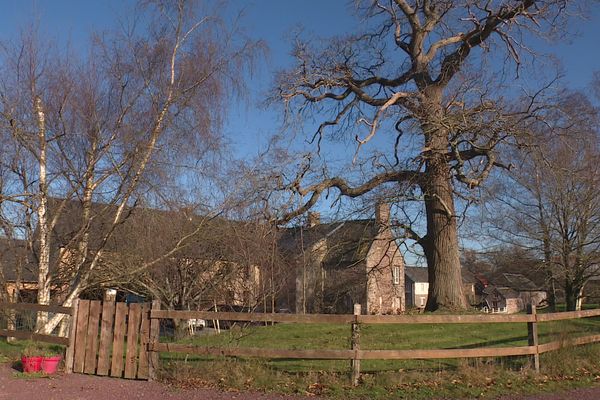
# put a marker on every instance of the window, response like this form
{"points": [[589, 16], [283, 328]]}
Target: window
{"points": [[396, 275], [422, 301]]}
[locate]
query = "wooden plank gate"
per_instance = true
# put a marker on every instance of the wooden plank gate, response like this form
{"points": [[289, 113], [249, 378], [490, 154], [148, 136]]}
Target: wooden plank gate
{"points": [[110, 339]]}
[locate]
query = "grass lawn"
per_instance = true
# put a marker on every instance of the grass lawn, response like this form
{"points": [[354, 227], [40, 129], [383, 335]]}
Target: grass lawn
{"points": [[11, 351], [384, 337], [383, 379]]}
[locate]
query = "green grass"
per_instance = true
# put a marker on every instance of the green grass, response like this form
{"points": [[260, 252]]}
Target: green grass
{"points": [[386, 337], [12, 351], [30, 375], [382, 379], [479, 378]]}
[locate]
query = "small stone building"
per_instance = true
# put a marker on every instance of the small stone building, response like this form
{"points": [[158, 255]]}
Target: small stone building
{"points": [[501, 300], [417, 287], [510, 293], [340, 264]]}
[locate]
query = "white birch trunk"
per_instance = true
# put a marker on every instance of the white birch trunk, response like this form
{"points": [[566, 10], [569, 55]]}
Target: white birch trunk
{"points": [[43, 295], [82, 274]]}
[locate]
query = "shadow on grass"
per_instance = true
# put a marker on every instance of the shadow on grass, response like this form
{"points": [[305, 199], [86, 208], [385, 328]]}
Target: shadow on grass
{"points": [[491, 343]]}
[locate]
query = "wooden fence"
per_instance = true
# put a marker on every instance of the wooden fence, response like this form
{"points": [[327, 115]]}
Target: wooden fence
{"points": [[355, 354], [109, 327], [29, 335], [110, 338]]}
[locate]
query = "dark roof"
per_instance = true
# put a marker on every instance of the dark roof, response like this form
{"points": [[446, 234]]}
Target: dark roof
{"points": [[507, 293], [516, 282], [14, 256], [149, 233], [468, 276], [417, 274], [347, 242]]}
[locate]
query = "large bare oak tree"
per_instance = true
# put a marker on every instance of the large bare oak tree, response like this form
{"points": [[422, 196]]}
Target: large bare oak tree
{"points": [[417, 76]]}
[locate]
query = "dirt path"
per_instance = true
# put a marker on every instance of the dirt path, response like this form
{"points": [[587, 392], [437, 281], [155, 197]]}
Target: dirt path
{"points": [[85, 387], [579, 394]]}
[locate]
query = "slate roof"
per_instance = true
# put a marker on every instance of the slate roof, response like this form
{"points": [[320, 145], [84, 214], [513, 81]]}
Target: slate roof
{"points": [[13, 254], [149, 233], [517, 282], [468, 276], [507, 293], [347, 242], [417, 274]]}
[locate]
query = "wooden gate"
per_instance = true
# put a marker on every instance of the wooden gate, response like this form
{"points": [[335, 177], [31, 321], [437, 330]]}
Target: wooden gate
{"points": [[110, 339]]}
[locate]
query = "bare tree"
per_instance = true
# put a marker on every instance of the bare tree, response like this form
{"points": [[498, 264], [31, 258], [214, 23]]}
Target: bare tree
{"points": [[418, 81], [550, 204], [107, 123]]}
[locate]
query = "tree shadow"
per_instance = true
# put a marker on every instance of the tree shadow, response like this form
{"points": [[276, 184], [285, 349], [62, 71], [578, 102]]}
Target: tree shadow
{"points": [[491, 343]]}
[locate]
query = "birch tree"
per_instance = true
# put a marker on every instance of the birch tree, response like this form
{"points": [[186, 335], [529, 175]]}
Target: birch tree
{"points": [[110, 119]]}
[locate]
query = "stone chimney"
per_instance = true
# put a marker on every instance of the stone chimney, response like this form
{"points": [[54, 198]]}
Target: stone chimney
{"points": [[314, 219], [382, 213]]}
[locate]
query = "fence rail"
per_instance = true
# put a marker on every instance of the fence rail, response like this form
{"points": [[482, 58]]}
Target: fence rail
{"points": [[36, 307], [146, 325], [30, 335], [533, 349]]}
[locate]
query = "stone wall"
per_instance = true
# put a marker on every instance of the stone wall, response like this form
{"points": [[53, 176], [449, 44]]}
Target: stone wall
{"points": [[514, 305], [383, 295]]}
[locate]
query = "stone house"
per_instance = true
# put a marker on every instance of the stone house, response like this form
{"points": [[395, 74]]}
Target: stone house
{"points": [[340, 264], [470, 287], [510, 293], [18, 271], [501, 300]]}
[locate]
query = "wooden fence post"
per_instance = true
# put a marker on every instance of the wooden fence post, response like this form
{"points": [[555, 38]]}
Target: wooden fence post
{"points": [[355, 363], [154, 339], [72, 333], [532, 336]]}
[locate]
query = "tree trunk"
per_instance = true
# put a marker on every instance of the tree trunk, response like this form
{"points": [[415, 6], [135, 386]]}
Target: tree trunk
{"points": [[441, 245], [579, 299], [441, 241], [181, 328], [43, 295], [571, 294], [552, 294], [550, 280]]}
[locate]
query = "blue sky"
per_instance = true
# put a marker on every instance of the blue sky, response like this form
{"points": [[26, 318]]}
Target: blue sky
{"points": [[72, 21], [250, 126]]}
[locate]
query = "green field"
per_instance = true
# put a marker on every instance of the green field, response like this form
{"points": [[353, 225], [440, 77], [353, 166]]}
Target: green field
{"points": [[381, 379], [385, 337]]}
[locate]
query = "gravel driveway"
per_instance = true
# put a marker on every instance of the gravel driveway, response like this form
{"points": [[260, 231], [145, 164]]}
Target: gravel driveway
{"points": [[86, 387]]}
